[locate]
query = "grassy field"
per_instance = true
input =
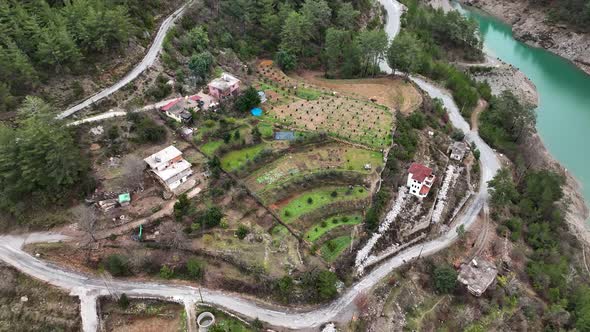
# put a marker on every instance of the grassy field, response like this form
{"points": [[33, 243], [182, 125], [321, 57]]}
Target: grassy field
{"points": [[326, 225], [333, 248], [235, 159], [210, 147], [266, 129], [317, 198]]}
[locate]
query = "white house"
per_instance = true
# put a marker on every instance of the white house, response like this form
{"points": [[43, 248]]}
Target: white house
{"points": [[420, 180], [169, 167]]}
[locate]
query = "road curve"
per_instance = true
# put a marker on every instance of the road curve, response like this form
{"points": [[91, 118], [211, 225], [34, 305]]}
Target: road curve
{"points": [[145, 63], [82, 285], [90, 287]]}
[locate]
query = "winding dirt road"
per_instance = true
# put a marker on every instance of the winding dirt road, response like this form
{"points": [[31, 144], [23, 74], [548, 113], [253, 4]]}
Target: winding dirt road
{"points": [[145, 63], [89, 287]]}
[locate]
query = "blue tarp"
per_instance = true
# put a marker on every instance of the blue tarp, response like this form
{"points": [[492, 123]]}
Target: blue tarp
{"points": [[284, 135], [256, 111]]}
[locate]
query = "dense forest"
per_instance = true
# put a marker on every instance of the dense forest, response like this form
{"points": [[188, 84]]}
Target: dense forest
{"points": [[41, 38], [574, 12]]}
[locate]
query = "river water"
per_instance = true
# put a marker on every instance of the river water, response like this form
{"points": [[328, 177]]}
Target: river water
{"points": [[563, 115]]}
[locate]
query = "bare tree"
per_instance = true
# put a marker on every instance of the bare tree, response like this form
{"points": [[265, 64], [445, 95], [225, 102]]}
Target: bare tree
{"points": [[133, 168], [172, 235], [86, 217]]}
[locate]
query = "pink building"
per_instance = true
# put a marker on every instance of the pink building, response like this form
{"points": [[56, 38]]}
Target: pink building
{"points": [[223, 87]]}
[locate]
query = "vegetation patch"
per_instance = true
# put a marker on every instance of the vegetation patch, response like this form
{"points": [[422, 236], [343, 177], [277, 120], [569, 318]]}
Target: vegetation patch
{"points": [[317, 198], [328, 224], [236, 159], [210, 147], [333, 248]]}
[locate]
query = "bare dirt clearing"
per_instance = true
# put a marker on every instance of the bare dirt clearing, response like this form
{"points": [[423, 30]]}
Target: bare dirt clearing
{"points": [[388, 91]]}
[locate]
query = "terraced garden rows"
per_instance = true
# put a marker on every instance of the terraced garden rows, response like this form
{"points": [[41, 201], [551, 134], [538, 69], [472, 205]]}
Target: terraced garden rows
{"points": [[349, 161]]}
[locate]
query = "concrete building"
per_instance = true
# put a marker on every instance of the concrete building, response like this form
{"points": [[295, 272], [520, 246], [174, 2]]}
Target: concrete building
{"points": [[179, 109], [225, 86], [420, 180], [457, 150], [477, 275], [169, 167]]}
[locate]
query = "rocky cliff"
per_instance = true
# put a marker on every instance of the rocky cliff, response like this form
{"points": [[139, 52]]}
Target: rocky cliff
{"points": [[530, 25]]}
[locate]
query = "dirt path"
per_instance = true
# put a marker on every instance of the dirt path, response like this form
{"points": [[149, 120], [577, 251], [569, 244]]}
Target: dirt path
{"points": [[481, 106], [165, 211]]}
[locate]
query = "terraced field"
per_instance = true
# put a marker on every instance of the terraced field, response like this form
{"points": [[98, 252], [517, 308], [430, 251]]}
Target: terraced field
{"points": [[317, 199], [311, 108], [326, 158]]}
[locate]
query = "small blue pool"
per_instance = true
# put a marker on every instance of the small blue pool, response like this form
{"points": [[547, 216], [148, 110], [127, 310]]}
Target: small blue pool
{"points": [[256, 111]]}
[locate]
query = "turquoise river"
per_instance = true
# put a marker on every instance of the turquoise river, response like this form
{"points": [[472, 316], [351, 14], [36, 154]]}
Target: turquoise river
{"points": [[563, 115]]}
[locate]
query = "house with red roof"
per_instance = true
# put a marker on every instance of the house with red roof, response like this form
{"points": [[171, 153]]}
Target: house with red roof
{"points": [[179, 108], [420, 180]]}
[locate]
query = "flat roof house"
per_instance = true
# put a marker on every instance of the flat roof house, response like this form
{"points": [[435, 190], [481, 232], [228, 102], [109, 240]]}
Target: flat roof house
{"points": [[420, 180], [224, 86], [477, 275], [458, 150], [169, 167]]}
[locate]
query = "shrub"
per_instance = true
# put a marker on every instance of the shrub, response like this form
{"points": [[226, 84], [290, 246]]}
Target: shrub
{"points": [[195, 268], [247, 100], [123, 301], [324, 224], [211, 217], [117, 265], [166, 272], [334, 194], [309, 200], [445, 278], [242, 232]]}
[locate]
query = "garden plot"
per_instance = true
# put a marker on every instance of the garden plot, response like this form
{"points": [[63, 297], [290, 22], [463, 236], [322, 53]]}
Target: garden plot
{"points": [[342, 117], [318, 198], [338, 157], [311, 108]]}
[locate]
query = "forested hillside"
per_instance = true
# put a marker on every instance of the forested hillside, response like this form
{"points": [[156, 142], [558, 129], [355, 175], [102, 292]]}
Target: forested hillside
{"points": [[41, 38]]}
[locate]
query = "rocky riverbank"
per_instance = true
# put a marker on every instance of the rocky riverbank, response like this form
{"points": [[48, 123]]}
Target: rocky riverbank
{"points": [[502, 76], [530, 25]]}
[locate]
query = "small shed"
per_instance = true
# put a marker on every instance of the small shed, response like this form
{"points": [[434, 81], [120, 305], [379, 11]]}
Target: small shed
{"points": [[262, 96], [124, 199], [477, 275], [285, 136]]}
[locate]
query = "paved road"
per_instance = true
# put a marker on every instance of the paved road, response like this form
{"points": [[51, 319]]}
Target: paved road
{"points": [[147, 61], [88, 287]]}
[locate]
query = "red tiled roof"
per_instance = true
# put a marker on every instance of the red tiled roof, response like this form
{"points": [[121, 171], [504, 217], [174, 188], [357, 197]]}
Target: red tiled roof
{"points": [[419, 172], [424, 190], [170, 104]]}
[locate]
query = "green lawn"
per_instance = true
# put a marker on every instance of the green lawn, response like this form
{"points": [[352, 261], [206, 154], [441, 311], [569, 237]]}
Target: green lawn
{"points": [[235, 159], [265, 129], [315, 199], [308, 94], [357, 158], [326, 225], [210, 147], [333, 248]]}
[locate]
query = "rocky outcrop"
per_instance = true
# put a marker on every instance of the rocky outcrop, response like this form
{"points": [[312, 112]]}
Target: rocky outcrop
{"points": [[530, 25]]}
